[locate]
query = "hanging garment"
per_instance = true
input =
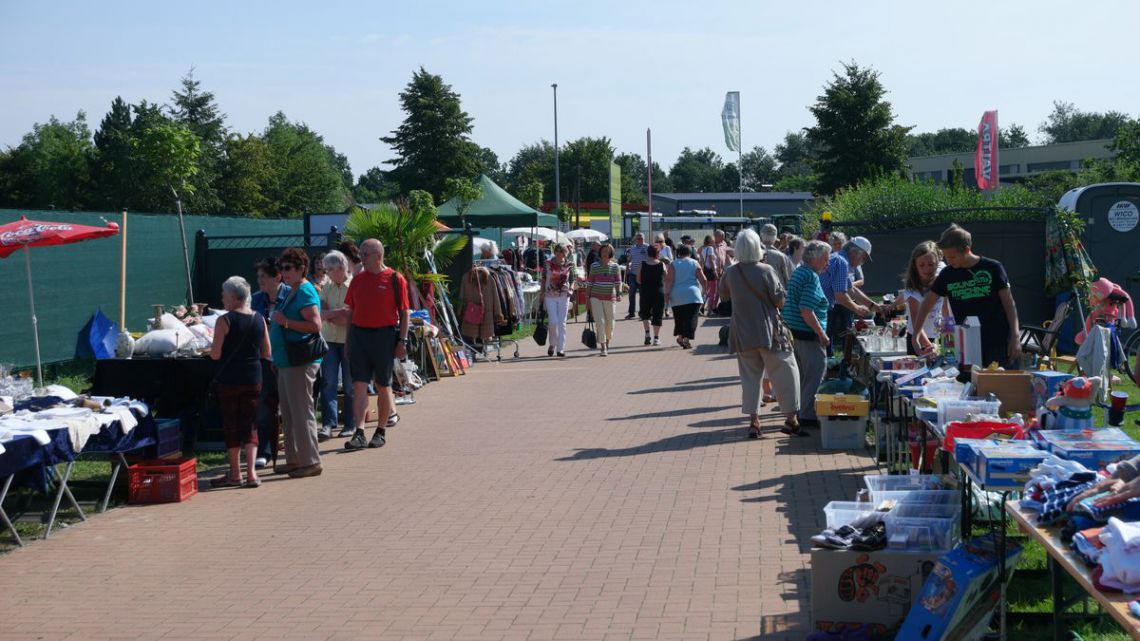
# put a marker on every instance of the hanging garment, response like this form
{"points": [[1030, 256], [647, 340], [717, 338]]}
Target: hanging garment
{"points": [[481, 288]]}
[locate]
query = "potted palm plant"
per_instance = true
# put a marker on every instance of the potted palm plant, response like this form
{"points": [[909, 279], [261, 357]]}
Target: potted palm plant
{"points": [[409, 231]]}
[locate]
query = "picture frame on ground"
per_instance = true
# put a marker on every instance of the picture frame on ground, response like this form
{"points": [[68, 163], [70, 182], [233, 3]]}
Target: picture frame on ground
{"points": [[438, 358]]}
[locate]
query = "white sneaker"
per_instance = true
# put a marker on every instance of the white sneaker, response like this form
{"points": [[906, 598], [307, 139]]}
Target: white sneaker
{"points": [[656, 342]]}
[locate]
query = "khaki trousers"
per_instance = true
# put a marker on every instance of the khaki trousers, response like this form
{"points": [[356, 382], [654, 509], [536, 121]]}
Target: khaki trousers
{"points": [[298, 416], [780, 368]]}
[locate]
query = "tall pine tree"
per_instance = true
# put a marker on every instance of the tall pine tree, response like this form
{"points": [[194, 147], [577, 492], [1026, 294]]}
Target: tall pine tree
{"points": [[855, 131], [197, 110], [433, 143], [111, 163]]}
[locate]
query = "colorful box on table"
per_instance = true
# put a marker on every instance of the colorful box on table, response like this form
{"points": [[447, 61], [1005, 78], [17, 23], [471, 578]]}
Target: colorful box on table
{"points": [[999, 464], [961, 593], [897, 362], [841, 405], [1096, 454], [1046, 385], [1046, 439], [850, 589]]}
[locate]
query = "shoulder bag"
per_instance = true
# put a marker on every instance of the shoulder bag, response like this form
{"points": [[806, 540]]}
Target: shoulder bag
{"points": [[308, 349], [589, 336], [785, 342], [540, 326]]}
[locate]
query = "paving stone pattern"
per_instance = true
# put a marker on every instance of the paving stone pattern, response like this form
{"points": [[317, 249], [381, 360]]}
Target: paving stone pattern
{"points": [[580, 498]]}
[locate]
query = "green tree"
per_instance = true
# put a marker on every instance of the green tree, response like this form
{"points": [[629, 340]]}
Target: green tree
{"points": [[943, 141], [795, 155], [798, 182], [697, 171], [533, 163], [957, 175], [50, 167], [531, 194], [171, 151], [247, 176], [149, 189], [433, 142], [490, 166], [306, 173], [1126, 143], [593, 156], [855, 130], [464, 191], [111, 163], [1066, 123], [198, 112], [759, 169], [1012, 137], [375, 186]]}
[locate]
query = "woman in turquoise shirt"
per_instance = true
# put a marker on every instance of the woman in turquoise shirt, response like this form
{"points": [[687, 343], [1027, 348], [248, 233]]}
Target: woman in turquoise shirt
{"points": [[292, 322], [683, 286]]}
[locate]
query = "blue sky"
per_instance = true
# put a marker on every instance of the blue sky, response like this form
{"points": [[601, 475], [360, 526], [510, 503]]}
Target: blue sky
{"points": [[621, 67]]}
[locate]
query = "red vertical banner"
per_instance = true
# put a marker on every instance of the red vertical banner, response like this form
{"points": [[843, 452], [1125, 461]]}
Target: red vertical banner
{"points": [[986, 158]]}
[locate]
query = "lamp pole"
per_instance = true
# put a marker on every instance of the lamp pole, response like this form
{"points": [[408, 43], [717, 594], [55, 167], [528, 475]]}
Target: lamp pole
{"points": [[557, 179]]}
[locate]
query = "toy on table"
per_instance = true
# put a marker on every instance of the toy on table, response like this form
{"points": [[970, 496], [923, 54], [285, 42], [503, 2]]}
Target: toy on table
{"points": [[1106, 299], [1072, 408]]}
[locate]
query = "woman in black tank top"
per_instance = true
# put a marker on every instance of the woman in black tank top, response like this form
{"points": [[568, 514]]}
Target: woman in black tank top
{"points": [[240, 342], [651, 284]]}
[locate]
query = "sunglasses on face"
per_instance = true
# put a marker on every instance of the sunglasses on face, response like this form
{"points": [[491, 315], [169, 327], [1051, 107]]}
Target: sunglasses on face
{"points": [[288, 267]]}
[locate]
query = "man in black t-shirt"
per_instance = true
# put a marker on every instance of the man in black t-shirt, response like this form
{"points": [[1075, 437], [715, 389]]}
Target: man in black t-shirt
{"points": [[975, 286]]}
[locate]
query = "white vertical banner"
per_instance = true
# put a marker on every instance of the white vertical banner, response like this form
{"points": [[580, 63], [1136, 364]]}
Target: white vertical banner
{"points": [[730, 118]]}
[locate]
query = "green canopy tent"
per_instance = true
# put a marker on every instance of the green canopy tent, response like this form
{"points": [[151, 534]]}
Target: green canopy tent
{"points": [[496, 209]]}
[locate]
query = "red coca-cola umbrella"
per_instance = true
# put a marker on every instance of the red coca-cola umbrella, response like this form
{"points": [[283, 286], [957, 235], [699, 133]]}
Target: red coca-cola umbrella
{"points": [[25, 234]]}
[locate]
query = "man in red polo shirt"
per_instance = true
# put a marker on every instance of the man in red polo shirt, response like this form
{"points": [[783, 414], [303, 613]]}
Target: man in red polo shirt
{"points": [[377, 306]]}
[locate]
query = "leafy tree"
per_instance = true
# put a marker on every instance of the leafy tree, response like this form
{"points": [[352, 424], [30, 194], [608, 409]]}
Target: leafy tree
{"points": [[759, 169], [798, 182], [943, 141], [795, 155], [490, 166], [465, 192], [1012, 137], [150, 190], [432, 144], [593, 156], [247, 176], [171, 151], [198, 112], [697, 171], [1126, 143], [855, 130], [530, 194], [306, 173], [50, 167], [375, 186], [533, 163], [1068, 124], [957, 175]]}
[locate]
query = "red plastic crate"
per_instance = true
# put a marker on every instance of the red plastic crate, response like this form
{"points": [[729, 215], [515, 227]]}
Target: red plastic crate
{"points": [[162, 481]]}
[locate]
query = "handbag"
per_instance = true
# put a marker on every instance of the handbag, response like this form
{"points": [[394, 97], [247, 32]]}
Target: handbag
{"points": [[589, 336], [473, 312], [540, 327], [784, 339], [308, 349]]}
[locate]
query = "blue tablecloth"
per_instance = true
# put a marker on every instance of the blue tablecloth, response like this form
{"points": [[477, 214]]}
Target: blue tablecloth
{"points": [[111, 439]]}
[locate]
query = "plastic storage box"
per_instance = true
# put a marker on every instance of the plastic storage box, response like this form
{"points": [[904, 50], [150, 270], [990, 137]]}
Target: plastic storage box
{"points": [[843, 432], [924, 526], [840, 513], [959, 410], [162, 481], [887, 486]]}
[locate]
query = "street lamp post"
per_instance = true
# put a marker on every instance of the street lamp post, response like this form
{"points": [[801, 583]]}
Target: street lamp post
{"points": [[557, 179]]}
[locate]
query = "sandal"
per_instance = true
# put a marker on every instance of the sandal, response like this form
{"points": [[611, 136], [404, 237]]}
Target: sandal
{"points": [[753, 431], [252, 484], [792, 429], [224, 481]]}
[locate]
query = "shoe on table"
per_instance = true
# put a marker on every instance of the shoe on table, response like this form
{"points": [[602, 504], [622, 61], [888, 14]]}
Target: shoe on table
{"points": [[357, 441], [347, 432], [378, 439], [324, 434], [306, 471]]}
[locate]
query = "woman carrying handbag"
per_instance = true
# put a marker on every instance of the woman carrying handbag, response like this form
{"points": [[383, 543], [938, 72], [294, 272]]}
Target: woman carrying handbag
{"points": [[557, 286]]}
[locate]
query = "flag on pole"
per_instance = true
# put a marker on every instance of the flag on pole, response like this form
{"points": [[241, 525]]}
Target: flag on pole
{"points": [[730, 118], [986, 157]]}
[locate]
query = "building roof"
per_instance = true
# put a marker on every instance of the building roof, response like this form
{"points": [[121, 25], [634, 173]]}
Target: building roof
{"points": [[750, 196]]}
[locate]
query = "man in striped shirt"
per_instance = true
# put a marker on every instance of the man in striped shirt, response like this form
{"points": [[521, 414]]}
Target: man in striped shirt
{"points": [[637, 255]]}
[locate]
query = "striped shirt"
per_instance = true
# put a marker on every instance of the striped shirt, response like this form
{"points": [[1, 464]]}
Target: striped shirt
{"points": [[637, 255], [605, 281], [804, 292], [837, 276]]}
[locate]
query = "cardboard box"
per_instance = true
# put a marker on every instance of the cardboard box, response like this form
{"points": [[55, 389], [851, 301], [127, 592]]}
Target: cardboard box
{"points": [[369, 417], [841, 405], [850, 588], [1045, 385], [1014, 388], [1096, 454], [961, 593], [1006, 464]]}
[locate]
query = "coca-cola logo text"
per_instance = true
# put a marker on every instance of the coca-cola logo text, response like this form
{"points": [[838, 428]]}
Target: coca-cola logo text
{"points": [[30, 233]]}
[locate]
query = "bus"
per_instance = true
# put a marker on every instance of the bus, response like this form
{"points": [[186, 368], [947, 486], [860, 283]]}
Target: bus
{"points": [[700, 223]]}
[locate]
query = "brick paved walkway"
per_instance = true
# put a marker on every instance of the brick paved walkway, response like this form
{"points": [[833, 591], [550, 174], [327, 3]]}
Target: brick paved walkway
{"points": [[587, 498]]}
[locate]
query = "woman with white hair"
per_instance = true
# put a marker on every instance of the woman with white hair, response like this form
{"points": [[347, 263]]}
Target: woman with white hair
{"points": [[241, 340], [334, 329], [805, 311], [757, 333], [488, 251]]}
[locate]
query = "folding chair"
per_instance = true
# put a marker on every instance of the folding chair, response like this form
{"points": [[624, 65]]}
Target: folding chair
{"points": [[1042, 340]]}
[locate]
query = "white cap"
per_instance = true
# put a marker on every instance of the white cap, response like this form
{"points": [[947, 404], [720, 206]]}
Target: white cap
{"points": [[862, 243]]}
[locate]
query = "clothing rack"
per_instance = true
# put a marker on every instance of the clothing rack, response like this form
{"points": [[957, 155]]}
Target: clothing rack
{"points": [[496, 342]]}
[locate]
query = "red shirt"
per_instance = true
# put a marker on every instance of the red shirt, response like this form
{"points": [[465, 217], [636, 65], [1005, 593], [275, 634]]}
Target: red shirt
{"points": [[372, 300]]}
